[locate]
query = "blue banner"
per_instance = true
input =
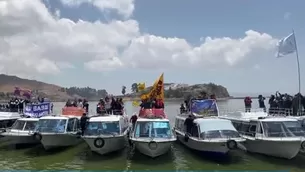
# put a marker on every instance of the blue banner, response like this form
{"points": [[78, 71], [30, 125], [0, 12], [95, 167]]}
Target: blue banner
{"points": [[37, 110], [204, 106]]}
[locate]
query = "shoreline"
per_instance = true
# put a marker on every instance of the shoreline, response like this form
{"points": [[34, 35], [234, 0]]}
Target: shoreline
{"points": [[136, 99]]}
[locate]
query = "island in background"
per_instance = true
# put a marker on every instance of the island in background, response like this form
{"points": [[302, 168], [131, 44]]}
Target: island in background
{"points": [[59, 94], [173, 91]]}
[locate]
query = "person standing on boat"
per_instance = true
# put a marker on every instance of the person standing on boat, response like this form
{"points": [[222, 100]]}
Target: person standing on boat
{"points": [[83, 122], [188, 123], [85, 105], [107, 105], [248, 103], [213, 97], [273, 104], [159, 104], [133, 120], [182, 108], [296, 104], [261, 102]]}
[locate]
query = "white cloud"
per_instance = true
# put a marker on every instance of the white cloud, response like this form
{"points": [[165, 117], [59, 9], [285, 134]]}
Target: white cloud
{"points": [[123, 7], [287, 16], [35, 41]]}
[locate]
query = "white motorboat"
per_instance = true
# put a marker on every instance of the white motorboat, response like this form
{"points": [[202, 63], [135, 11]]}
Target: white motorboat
{"points": [[22, 130], [207, 134], [20, 133], [7, 119], [105, 134], [58, 131], [152, 134], [269, 135]]}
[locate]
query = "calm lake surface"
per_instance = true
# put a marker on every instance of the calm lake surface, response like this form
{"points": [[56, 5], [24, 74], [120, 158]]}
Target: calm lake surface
{"points": [[180, 158]]}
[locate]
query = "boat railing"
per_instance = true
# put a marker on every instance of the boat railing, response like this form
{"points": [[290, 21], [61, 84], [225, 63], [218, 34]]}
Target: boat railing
{"points": [[270, 111], [206, 114]]}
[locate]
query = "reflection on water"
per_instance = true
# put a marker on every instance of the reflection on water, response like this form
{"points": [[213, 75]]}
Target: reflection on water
{"points": [[180, 158]]}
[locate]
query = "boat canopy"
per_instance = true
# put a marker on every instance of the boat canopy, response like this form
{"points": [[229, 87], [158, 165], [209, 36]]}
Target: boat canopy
{"points": [[73, 111], [214, 124], [9, 115], [205, 107], [152, 113]]}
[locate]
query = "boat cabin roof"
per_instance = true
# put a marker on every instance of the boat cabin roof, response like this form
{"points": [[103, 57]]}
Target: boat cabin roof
{"points": [[58, 117], [109, 118], [245, 118], [9, 115], [210, 124], [28, 119], [152, 119]]}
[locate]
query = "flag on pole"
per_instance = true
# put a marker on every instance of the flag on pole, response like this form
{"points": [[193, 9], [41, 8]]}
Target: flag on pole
{"points": [[141, 86], [157, 90], [136, 103], [286, 45]]}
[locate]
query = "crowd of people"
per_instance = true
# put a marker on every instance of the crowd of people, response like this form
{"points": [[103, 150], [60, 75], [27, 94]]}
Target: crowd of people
{"points": [[152, 104], [17, 104], [82, 103], [279, 104], [110, 105]]}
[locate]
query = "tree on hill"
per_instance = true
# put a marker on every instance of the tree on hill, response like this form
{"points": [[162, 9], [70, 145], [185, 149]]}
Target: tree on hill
{"points": [[123, 90], [86, 92], [134, 88]]}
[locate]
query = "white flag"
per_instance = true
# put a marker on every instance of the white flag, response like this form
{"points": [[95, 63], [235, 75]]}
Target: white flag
{"points": [[286, 45]]}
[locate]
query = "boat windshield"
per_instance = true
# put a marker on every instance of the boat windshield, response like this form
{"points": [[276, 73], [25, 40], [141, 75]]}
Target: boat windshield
{"points": [[105, 128], [18, 125], [283, 129], [30, 125], [218, 134], [156, 129], [51, 125]]}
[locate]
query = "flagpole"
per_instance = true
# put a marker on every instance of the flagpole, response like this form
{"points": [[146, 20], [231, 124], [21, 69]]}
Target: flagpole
{"points": [[298, 61], [299, 71]]}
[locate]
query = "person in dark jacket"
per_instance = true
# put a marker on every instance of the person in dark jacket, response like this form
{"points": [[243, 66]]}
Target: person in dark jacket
{"points": [[261, 102], [133, 120], [188, 123], [83, 122]]}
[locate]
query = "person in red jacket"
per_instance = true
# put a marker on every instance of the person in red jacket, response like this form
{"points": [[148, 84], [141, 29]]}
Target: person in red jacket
{"points": [[159, 104], [248, 103]]}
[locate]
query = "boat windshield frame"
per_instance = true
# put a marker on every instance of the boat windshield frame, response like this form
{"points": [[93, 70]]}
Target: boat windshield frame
{"points": [[51, 129], [216, 129], [24, 126], [101, 126], [286, 131], [149, 126]]}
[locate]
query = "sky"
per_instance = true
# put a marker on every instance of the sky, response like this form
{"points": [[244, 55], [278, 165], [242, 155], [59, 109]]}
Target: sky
{"points": [[111, 43]]}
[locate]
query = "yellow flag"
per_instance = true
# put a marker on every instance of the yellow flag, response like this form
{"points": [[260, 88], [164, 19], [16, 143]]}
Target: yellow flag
{"points": [[135, 103], [141, 86], [157, 90]]}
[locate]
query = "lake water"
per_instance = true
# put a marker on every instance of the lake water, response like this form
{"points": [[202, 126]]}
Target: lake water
{"points": [[180, 158]]}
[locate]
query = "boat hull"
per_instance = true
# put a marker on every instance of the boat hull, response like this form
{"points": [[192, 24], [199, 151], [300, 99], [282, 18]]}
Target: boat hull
{"points": [[162, 147], [22, 139], [110, 144], [216, 148], [51, 141], [280, 149]]}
